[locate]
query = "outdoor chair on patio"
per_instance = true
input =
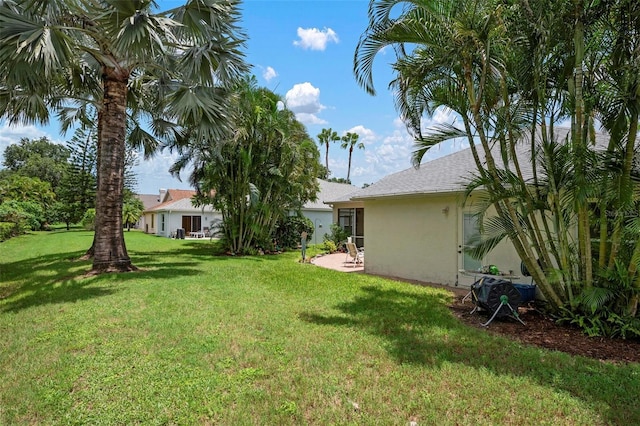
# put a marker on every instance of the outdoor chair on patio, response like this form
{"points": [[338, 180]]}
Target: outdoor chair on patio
{"points": [[355, 255]]}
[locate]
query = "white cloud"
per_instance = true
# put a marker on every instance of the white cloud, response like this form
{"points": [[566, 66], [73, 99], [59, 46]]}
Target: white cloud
{"points": [[398, 123], [367, 136], [153, 174], [309, 119], [304, 100], [394, 150], [12, 134], [442, 115], [388, 152], [269, 73], [315, 39], [303, 97]]}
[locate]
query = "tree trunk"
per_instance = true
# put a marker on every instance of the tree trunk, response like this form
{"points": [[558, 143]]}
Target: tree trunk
{"points": [[326, 158], [349, 169], [110, 253], [584, 238]]}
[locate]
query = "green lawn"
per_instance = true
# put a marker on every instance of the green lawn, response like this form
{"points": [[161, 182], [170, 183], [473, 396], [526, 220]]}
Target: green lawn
{"points": [[197, 339]]}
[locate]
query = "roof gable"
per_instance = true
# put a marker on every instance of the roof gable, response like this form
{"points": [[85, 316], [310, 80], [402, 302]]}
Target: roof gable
{"points": [[176, 199], [329, 191], [149, 200]]}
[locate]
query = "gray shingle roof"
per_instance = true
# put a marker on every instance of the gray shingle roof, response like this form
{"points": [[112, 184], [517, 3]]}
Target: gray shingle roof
{"points": [[446, 174], [329, 191]]}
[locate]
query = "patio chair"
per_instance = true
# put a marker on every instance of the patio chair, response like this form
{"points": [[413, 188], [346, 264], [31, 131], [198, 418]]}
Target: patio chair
{"points": [[355, 255]]}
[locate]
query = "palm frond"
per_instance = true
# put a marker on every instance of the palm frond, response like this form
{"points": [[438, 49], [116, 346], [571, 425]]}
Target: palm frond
{"points": [[594, 298], [433, 136]]}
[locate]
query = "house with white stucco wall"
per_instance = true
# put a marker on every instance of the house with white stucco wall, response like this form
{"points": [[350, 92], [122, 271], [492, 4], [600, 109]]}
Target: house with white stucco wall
{"points": [[176, 211], [173, 210], [418, 221], [320, 213]]}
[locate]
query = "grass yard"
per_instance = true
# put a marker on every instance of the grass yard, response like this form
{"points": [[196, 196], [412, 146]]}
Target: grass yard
{"points": [[197, 339]]}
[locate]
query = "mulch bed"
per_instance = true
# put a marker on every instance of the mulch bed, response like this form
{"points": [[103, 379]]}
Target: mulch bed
{"points": [[544, 332]]}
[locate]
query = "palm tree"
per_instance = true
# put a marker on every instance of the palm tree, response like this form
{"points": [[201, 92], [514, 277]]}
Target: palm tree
{"points": [[132, 210], [268, 169], [325, 137], [455, 53], [170, 69], [511, 82], [350, 140]]}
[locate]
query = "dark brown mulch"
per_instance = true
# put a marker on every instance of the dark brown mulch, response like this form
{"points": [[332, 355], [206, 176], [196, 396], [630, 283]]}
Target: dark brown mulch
{"points": [[542, 331]]}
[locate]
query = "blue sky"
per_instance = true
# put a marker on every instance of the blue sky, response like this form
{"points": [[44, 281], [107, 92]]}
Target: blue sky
{"points": [[303, 50]]}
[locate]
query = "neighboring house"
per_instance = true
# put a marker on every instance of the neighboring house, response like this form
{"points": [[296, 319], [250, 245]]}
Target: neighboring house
{"points": [[319, 212], [148, 201], [176, 211], [172, 209], [417, 225]]}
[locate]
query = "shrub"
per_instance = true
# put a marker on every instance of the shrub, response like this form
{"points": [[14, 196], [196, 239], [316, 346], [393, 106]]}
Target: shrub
{"points": [[329, 246], [8, 230], [89, 220], [288, 230], [24, 214], [338, 235]]}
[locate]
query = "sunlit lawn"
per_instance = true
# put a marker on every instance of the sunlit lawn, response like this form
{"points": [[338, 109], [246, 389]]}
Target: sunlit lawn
{"points": [[198, 339]]}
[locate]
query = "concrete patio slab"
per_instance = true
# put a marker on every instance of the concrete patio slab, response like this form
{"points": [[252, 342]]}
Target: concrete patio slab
{"points": [[337, 262]]}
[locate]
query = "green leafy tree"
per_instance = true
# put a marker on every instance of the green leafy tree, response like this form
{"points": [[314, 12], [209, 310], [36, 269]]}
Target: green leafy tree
{"points": [[125, 60], [323, 172], [89, 219], [25, 201], [350, 141], [338, 180], [37, 158], [268, 169], [77, 191]]}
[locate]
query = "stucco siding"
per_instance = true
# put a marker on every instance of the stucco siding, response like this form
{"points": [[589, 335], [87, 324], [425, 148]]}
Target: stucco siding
{"points": [[173, 221], [421, 238], [412, 238], [149, 223], [322, 221]]}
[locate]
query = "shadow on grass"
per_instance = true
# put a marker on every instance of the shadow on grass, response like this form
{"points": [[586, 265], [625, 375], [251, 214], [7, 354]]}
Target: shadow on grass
{"points": [[47, 279], [61, 277], [420, 329]]}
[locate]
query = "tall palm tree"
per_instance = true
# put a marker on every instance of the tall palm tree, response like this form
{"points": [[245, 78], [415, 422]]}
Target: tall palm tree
{"points": [[511, 82], [170, 69], [455, 53], [350, 140], [325, 137], [267, 170]]}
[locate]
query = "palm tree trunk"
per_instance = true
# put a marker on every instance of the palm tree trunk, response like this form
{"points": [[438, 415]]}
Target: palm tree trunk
{"points": [[91, 251], [584, 240], [519, 237], [349, 168], [110, 253], [326, 157], [632, 307]]}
